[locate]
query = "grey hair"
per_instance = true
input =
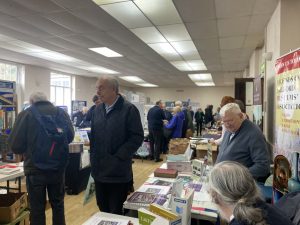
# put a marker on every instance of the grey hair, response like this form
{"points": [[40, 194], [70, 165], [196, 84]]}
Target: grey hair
{"points": [[230, 107], [178, 103], [37, 97], [232, 184], [113, 82]]}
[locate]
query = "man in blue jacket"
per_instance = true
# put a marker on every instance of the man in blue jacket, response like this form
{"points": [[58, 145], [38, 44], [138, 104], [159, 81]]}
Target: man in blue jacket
{"points": [[116, 134], [243, 142]]}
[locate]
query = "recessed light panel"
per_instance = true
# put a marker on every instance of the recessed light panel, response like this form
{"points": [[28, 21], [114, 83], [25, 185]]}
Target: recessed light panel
{"points": [[106, 52]]}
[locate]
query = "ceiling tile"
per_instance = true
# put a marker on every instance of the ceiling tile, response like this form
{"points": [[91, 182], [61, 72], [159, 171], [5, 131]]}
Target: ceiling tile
{"points": [[232, 42], [75, 4], [46, 25], [57, 41], [234, 67], [156, 11], [195, 10], [149, 35], [127, 14], [233, 26], [14, 9], [207, 44], [230, 53], [265, 6], [176, 32], [258, 24], [253, 41], [233, 8], [70, 22], [81, 41], [203, 29], [40, 6]]}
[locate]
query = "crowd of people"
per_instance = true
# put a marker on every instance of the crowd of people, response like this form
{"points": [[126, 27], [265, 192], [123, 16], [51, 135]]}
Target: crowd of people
{"points": [[116, 134]]}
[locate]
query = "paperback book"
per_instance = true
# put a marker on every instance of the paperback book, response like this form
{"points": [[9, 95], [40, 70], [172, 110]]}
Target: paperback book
{"points": [[155, 189], [142, 200]]}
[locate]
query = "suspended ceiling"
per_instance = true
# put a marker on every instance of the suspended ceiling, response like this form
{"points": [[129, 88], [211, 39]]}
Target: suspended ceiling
{"points": [[224, 32]]}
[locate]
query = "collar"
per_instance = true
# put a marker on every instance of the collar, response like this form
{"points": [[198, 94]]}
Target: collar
{"points": [[108, 108], [231, 218]]}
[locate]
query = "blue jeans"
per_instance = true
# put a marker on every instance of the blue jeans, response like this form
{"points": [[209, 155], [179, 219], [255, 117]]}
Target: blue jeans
{"points": [[54, 183]]}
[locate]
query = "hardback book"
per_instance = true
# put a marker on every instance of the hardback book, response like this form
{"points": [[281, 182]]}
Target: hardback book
{"points": [[143, 200], [147, 217], [180, 166], [168, 173]]}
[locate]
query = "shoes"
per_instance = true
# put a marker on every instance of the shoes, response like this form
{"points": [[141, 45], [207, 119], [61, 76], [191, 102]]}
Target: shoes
{"points": [[151, 158], [158, 160]]}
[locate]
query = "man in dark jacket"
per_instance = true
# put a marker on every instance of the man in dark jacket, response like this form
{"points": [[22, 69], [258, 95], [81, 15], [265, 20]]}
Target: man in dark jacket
{"points": [[22, 140], [116, 134], [155, 119]]}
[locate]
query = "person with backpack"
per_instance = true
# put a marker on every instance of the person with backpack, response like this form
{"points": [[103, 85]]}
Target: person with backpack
{"points": [[42, 133]]}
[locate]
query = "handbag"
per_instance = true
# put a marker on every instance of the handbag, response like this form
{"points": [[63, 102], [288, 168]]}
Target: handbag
{"points": [[168, 133]]}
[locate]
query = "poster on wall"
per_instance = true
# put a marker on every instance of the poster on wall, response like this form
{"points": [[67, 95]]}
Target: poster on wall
{"points": [[287, 125]]}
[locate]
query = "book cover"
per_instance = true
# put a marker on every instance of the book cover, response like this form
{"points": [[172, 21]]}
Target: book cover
{"points": [[147, 217], [101, 220], [163, 212], [143, 199], [168, 173], [155, 189], [180, 166]]}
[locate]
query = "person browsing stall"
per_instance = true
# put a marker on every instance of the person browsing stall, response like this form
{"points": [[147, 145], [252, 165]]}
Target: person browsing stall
{"points": [[243, 142]]}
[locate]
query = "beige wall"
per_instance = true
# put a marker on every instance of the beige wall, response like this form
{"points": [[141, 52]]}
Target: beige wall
{"points": [[36, 79], [290, 27], [85, 89], [203, 95]]}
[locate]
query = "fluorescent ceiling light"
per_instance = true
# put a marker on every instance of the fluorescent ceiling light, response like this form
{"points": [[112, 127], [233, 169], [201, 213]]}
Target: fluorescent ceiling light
{"points": [[106, 52], [53, 56], [99, 69], [197, 64], [181, 65], [147, 85], [205, 83], [104, 2], [200, 77], [149, 35], [163, 48], [133, 79], [128, 14]]}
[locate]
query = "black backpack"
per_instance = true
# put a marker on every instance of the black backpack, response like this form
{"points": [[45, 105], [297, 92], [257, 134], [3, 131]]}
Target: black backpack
{"points": [[51, 148]]}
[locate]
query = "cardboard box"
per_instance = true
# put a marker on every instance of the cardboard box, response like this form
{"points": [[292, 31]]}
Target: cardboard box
{"points": [[201, 151], [75, 147], [11, 205], [22, 219], [178, 145]]}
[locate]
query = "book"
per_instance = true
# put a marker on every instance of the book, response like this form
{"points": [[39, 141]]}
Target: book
{"points": [[163, 212], [102, 220], [155, 189], [182, 205], [180, 166], [142, 200], [168, 173], [147, 217]]}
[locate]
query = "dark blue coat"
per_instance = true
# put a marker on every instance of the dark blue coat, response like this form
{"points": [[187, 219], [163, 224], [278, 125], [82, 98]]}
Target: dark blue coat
{"points": [[155, 118]]}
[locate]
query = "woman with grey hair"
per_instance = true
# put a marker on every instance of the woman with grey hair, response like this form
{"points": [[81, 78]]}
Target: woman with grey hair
{"points": [[234, 191]]}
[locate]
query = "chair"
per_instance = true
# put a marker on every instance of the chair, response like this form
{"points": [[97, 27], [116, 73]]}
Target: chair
{"points": [[143, 152]]}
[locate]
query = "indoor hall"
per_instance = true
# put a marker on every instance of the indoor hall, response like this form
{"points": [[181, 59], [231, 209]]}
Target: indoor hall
{"points": [[177, 55]]}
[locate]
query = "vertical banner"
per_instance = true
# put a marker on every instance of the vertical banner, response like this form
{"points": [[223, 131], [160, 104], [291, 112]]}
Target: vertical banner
{"points": [[287, 126], [257, 102]]}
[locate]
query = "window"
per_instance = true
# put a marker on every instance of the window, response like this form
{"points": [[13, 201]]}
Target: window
{"points": [[61, 90], [8, 71]]}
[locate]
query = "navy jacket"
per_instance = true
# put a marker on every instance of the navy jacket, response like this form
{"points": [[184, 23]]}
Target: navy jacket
{"points": [[115, 137], [248, 147], [272, 215], [155, 118]]}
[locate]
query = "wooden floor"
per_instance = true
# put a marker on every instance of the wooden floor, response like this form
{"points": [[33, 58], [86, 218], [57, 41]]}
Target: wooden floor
{"points": [[76, 213]]}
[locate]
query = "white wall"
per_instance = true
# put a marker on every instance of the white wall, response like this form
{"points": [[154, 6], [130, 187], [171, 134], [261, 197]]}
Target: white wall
{"points": [[36, 79], [272, 44], [203, 95]]}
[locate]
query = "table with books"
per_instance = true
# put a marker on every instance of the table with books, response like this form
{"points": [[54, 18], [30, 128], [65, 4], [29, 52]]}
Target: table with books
{"points": [[162, 186], [102, 218], [11, 171]]}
